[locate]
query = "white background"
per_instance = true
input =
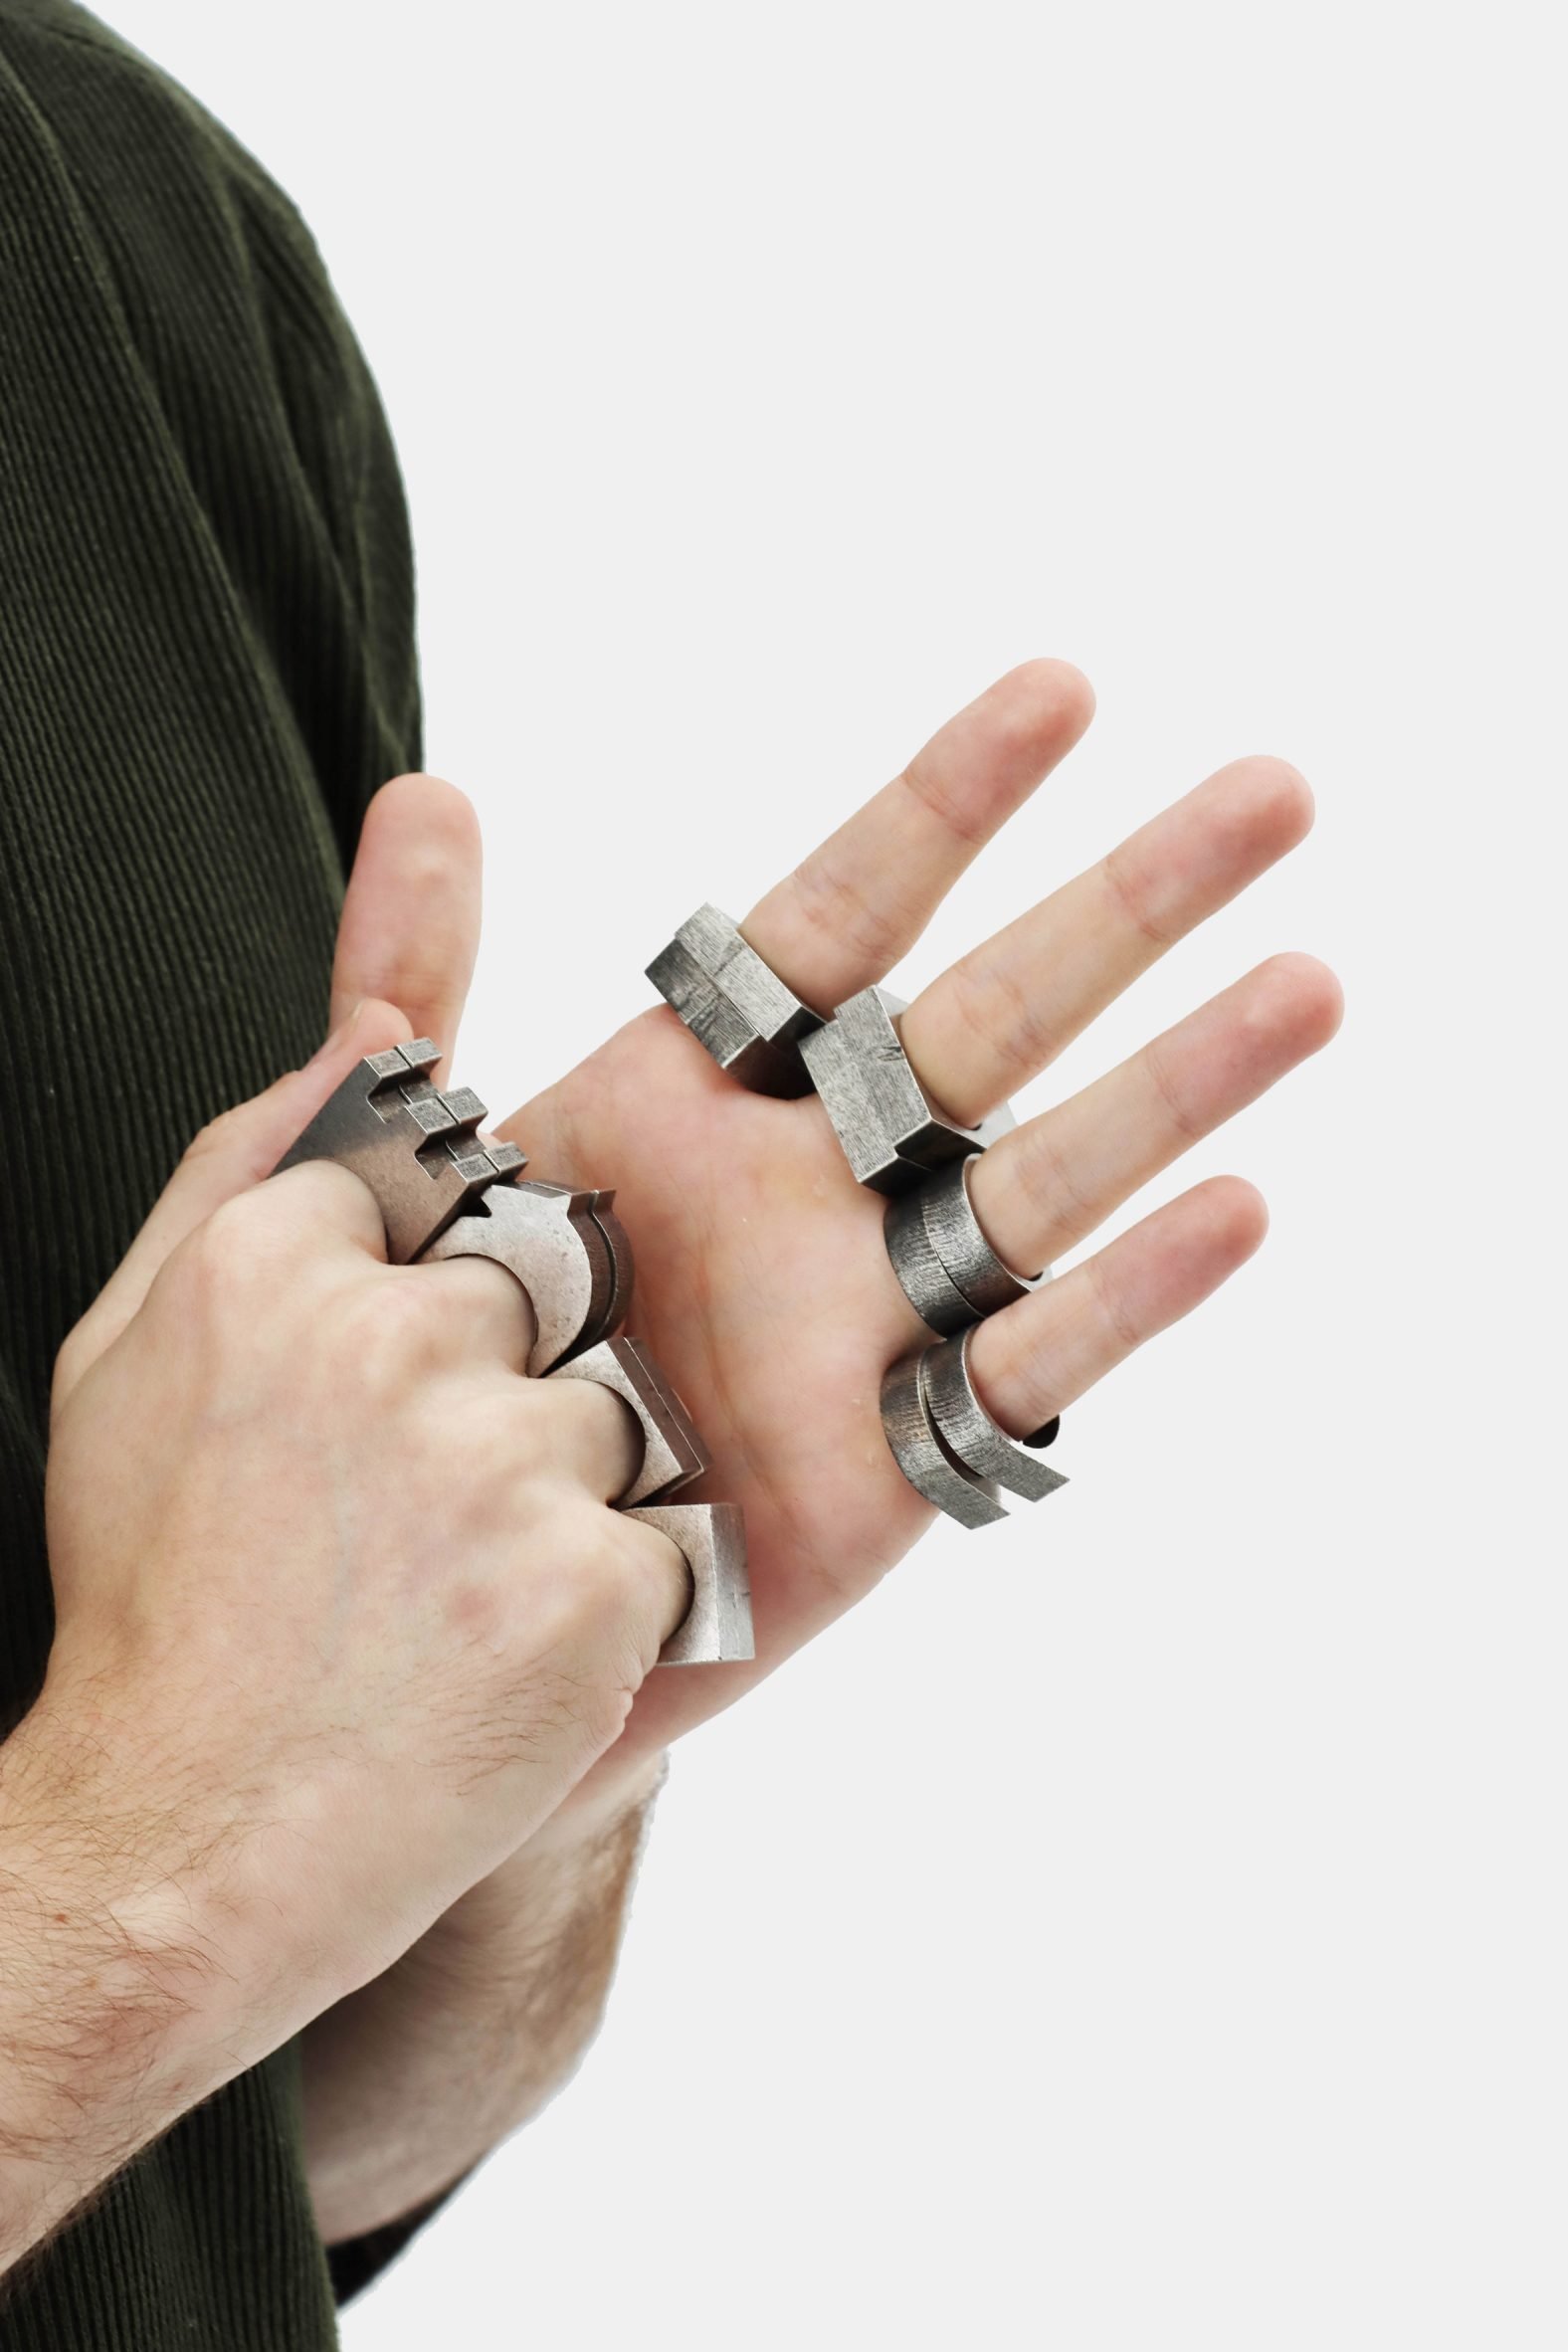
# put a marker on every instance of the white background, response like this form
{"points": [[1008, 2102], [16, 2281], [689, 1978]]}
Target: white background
{"points": [[1144, 1930]]}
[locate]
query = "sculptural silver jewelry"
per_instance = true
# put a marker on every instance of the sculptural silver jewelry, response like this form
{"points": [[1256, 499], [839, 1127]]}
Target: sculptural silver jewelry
{"points": [[734, 1004], [672, 1453], [950, 1273], [712, 1537], [567, 1248], [891, 1132], [920, 1454], [418, 1150], [969, 1430], [444, 1192], [948, 1446]]}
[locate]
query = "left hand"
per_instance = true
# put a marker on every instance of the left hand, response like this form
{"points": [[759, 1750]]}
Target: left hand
{"points": [[763, 1284]]}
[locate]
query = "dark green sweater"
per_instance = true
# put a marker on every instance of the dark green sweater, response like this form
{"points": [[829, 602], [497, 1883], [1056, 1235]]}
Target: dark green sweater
{"points": [[206, 667]]}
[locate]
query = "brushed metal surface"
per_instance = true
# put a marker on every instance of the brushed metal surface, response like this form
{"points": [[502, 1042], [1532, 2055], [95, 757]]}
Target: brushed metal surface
{"points": [[925, 1281], [893, 1134], [419, 1150], [980, 1444], [672, 1453], [566, 1247], [716, 1629], [924, 1460], [967, 1257], [734, 1004]]}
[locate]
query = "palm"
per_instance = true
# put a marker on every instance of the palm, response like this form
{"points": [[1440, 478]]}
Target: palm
{"points": [[762, 1283], [764, 1293]]}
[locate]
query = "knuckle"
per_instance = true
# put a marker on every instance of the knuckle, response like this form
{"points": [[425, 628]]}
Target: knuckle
{"points": [[382, 1333], [215, 1264]]}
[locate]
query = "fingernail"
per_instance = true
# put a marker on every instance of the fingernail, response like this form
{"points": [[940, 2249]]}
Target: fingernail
{"points": [[339, 1033]]}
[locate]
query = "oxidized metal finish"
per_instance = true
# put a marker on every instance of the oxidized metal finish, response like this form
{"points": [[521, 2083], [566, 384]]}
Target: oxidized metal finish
{"points": [[418, 1150], [920, 1454], [950, 1273], [442, 1193], [712, 1536], [925, 1280], [972, 1265], [969, 1432], [567, 1248], [891, 1133], [672, 1453], [734, 1004]]}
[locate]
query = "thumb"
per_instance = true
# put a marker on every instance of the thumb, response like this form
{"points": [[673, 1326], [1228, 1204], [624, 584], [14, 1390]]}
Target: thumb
{"points": [[235, 1151], [410, 925]]}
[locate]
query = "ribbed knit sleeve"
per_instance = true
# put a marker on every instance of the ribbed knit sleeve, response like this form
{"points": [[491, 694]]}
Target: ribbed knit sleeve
{"points": [[206, 667]]}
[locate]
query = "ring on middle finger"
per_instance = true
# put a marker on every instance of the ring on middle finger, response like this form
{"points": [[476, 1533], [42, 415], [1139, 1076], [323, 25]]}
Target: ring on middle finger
{"points": [[947, 1268], [891, 1131]]}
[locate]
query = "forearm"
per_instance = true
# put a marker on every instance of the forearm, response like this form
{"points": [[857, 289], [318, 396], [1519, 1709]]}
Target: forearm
{"points": [[114, 2001], [413, 2080]]}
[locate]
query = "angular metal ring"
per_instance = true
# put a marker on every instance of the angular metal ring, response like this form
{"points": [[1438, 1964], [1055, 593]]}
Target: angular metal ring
{"points": [[921, 1453], [891, 1132], [567, 1248], [970, 1434], [672, 1453], [713, 1537], [418, 1150], [950, 1273], [734, 1004]]}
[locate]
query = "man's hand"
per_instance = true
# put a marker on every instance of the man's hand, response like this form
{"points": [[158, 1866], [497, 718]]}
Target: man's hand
{"points": [[341, 1617], [763, 1287], [763, 1284]]}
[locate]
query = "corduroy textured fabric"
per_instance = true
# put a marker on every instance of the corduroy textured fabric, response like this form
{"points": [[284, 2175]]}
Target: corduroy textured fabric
{"points": [[206, 667]]}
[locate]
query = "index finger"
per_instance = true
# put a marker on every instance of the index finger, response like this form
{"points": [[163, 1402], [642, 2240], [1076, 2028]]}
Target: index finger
{"points": [[859, 902], [235, 1152]]}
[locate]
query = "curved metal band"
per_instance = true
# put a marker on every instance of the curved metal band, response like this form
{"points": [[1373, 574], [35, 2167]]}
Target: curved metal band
{"points": [[918, 1449], [971, 1265], [968, 1430], [925, 1281], [948, 1271]]}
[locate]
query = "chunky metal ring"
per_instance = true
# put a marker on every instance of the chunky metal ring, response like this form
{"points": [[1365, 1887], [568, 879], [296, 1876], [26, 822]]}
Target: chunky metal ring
{"points": [[949, 1272], [892, 1133], [712, 1537], [969, 1432], [922, 1455], [734, 1004]]}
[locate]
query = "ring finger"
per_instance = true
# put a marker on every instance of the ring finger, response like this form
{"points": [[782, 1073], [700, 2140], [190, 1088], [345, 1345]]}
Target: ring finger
{"points": [[1043, 1187]]}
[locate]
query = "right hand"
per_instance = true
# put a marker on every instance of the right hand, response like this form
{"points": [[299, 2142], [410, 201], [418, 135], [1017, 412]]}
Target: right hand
{"points": [[341, 1603]]}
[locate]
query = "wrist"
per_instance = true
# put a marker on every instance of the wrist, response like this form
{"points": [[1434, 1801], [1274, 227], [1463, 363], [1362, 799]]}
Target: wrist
{"points": [[588, 1846], [116, 2003]]}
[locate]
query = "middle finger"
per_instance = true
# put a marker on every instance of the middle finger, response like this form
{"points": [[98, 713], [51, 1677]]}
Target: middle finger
{"points": [[1044, 1187], [1006, 1010]]}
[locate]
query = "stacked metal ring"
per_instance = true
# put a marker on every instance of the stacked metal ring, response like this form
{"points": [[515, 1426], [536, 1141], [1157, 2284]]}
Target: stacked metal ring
{"points": [[948, 1446], [898, 1142]]}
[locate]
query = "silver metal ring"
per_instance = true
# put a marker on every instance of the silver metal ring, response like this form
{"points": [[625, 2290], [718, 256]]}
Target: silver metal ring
{"points": [[672, 1453], [918, 1449], [972, 1266], [712, 1539], [949, 1272], [891, 1132], [734, 1004], [969, 1432], [925, 1280]]}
